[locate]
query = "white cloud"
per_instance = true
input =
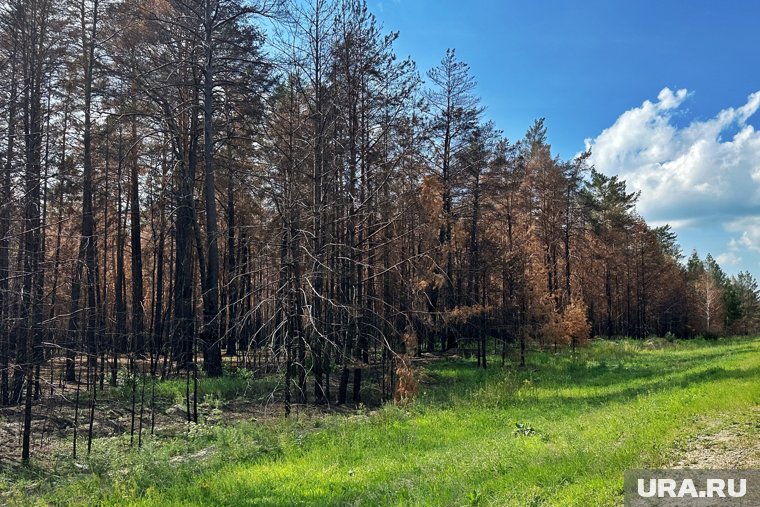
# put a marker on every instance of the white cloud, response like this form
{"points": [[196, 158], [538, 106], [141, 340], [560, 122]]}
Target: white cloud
{"points": [[670, 100], [728, 259], [685, 173], [675, 224], [748, 229]]}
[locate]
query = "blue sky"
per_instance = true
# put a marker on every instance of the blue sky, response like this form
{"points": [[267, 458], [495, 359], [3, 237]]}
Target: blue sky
{"points": [[660, 90]]}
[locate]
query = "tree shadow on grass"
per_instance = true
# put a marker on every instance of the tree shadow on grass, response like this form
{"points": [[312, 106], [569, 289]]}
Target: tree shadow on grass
{"points": [[623, 376], [684, 380]]}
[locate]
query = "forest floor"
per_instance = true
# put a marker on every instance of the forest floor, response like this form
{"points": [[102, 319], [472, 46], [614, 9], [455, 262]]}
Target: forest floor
{"points": [[559, 432]]}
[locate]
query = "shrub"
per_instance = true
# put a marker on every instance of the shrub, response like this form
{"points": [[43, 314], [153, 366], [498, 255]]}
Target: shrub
{"points": [[710, 336]]}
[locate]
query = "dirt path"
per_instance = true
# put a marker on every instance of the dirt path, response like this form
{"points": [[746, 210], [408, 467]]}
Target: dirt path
{"points": [[726, 444]]}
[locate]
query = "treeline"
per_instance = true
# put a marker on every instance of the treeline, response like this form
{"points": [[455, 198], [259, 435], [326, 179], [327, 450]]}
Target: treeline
{"points": [[223, 184]]}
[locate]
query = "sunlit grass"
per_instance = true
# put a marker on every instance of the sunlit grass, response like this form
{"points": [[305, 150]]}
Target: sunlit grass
{"points": [[559, 432]]}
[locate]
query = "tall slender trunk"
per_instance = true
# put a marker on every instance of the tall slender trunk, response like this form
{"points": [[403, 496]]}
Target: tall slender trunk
{"points": [[158, 300], [5, 226], [212, 349], [184, 313], [120, 281], [138, 311], [88, 222], [33, 279], [231, 268], [317, 339]]}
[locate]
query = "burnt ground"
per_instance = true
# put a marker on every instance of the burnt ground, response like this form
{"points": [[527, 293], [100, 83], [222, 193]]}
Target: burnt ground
{"points": [[53, 423], [55, 418], [55, 414]]}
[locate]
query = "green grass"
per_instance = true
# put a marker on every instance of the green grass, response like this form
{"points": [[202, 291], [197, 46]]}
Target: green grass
{"points": [[237, 385], [560, 432]]}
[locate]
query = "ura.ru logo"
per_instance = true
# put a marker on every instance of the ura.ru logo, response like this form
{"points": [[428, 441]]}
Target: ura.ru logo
{"points": [[670, 488]]}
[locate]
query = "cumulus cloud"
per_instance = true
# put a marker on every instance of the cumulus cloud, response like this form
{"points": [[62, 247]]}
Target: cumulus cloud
{"points": [[689, 172], [748, 233], [728, 259]]}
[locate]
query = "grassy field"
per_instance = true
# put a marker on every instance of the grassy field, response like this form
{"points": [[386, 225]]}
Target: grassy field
{"points": [[559, 432]]}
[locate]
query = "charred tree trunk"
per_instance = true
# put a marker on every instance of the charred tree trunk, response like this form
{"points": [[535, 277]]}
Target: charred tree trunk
{"points": [[138, 310], [212, 350]]}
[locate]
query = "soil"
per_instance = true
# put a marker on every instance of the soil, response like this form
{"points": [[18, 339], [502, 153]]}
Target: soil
{"points": [[732, 444], [54, 414]]}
